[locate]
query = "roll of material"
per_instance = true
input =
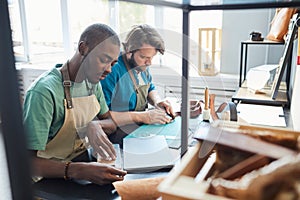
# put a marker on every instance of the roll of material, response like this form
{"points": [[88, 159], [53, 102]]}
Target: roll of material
{"points": [[206, 114]]}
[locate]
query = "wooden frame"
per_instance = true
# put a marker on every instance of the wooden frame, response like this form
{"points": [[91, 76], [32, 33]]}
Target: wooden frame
{"points": [[189, 180], [209, 50]]}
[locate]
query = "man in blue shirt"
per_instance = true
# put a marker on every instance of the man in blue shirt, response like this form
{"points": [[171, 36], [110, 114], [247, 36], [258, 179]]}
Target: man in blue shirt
{"points": [[128, 88]]}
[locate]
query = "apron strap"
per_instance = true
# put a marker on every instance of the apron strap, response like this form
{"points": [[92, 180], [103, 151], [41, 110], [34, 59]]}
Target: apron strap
{"points": [[67, 84], [130, 73]]}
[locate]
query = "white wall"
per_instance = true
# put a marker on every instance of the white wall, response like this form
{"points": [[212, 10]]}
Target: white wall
{"points": [[295, 114], [294, 90], [236, 27]]}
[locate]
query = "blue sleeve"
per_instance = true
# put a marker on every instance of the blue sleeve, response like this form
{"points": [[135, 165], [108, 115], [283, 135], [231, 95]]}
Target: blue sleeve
{"points": [[149, 77], [101, 99]]}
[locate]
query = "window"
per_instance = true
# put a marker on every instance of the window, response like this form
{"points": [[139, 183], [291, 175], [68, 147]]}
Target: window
{"points": [[132, 14], [85, 13], [43, 19], [46, 32], [17, 31]]}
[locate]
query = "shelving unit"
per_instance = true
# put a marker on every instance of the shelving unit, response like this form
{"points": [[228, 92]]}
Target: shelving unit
{"points": [[187, 6], [277, 94], [244, 95], [244, 55]]}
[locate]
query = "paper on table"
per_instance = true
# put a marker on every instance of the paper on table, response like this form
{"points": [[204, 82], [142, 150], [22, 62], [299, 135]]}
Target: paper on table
{"points": [[258, 77], [261, 115], [148, 153]]}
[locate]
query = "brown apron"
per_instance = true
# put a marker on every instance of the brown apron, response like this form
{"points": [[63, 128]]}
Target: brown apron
{"points": [[79, 111]]}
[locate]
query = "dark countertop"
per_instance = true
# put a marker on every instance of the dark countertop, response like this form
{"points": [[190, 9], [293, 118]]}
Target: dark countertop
{"points": [[59, 189]]}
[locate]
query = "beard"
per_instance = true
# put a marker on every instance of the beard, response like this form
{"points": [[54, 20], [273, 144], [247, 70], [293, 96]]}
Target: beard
{"points": [[131, 62]]}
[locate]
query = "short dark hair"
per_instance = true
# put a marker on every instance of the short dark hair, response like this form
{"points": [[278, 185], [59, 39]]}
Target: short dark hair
{"points": [[143, 34], [97, 33]]}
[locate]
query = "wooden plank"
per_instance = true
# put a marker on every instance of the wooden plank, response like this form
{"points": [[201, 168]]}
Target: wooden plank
{"points": [[254, 162], [243, 142]]}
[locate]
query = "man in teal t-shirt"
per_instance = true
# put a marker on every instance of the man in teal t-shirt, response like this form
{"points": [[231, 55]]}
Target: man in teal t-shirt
{"points": [[65, 112], [47, 94]]}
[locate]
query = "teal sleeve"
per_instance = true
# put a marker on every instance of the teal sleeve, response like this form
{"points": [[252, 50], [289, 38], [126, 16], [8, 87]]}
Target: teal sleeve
{"points": [[103, 106], [37, 116]]}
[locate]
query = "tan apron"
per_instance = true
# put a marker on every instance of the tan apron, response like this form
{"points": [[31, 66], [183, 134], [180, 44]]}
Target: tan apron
{"points": [[140, 90], [79, 111], [141, 104]]}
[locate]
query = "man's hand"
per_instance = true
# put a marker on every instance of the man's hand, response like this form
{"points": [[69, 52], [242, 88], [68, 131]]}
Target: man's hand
{"points": [[96, 172], [99, 141], [154, 116], [166, 105]]}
